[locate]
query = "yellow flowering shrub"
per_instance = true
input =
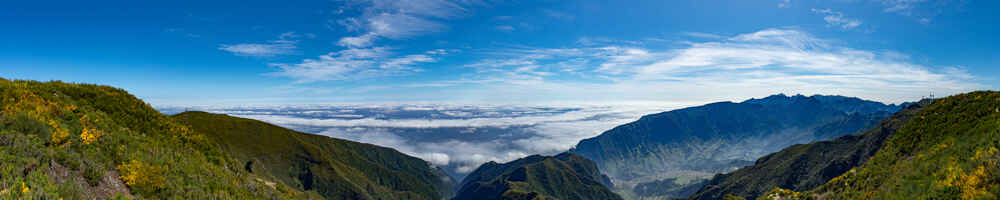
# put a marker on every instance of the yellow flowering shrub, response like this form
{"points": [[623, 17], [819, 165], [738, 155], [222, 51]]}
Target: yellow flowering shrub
{"points": [[90, 134], [973, 183], [59, 134], [139, 174]]}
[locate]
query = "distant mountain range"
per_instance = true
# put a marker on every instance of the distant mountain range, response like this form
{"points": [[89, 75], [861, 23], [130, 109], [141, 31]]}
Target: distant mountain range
{"points": [[806, 166], [690, 145], [564, 176]]}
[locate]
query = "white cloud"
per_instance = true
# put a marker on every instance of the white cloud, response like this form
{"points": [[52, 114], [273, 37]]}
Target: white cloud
{"points": [[923, 11], [703, 35], [738, 67], [518, 132], [400, 26], [430, 123], [903, 7], [558, 14], [352, 64], [358, 42], [784, 4], [282, 46], [837, 19], [505, 28], [397, 19], [278, 47]]}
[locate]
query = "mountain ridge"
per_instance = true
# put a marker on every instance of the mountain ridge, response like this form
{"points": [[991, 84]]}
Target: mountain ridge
{"points": [[696, 142], [949, 150], [805, 166], [563, 176]]}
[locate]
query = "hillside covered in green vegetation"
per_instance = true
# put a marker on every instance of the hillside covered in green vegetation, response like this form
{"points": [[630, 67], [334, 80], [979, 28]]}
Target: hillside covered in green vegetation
{"points": [[81, 141], [949, 150], [337, 169], [564, 176]]}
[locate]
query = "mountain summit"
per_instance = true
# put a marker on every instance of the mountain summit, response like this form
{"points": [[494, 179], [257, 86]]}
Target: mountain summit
{"points": [[564, 176]]}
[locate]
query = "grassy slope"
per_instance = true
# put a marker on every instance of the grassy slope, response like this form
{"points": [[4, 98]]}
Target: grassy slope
{"points": [[80, 141], [806, 166], [565, 176], [337, 169], [948, 151]]}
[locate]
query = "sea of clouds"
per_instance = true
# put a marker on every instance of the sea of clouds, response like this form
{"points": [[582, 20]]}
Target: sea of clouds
{"points": [[457, 138]]}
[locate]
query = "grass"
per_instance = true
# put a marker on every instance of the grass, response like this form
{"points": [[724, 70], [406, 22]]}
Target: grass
{"points": [[83, 141]]}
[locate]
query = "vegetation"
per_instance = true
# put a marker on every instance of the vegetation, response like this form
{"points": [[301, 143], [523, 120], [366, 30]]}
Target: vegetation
{"points": [[335, 168], [564, 176], [80, 141], [947, 151], [806, 166]]}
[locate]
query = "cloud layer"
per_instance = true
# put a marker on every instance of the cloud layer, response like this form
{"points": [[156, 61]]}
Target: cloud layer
{"points": [[456, 137]]}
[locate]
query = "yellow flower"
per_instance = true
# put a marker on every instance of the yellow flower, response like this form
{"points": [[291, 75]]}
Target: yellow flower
{"points": [[24, 188], [59, 134], [89, 135], [139, 174]]}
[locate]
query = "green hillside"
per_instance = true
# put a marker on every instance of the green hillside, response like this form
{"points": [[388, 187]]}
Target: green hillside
{"points": [[948, 151], [564, 176], [82, 141], [337, 169]]}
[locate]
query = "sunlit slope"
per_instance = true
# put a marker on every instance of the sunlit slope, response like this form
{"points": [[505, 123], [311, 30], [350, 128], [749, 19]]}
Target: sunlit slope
{"points": [[81, 141], [948, 151]]}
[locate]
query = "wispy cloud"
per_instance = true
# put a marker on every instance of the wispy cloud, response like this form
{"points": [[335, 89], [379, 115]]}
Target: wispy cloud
{"points": [[274, 48], [558, 14], [903, 7], [352, 64], [359, 41], [505, 28], [745, 65], [923, 11], [837, 19], [702, 35], [784, 3], [397, 19], [284, 45]]}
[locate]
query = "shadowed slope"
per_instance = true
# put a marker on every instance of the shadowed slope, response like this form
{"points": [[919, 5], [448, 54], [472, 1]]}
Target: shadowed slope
{"points": [[564, 176], [805, 166], [337, 169]]}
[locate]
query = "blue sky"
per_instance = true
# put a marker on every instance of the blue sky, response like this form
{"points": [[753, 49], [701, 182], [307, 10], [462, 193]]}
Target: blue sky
{"points": [[234, 52]]}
